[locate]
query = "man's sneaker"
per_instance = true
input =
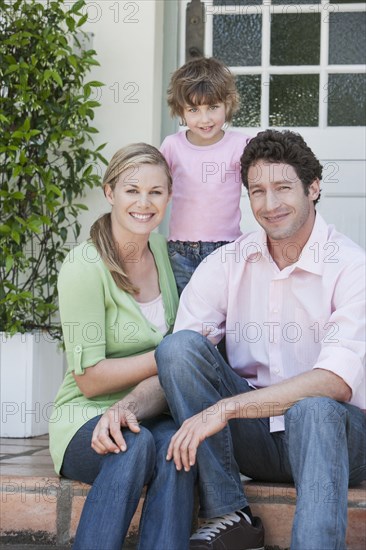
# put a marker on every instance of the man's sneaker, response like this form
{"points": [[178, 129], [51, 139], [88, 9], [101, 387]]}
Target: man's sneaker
{"points": [[229, 532]]}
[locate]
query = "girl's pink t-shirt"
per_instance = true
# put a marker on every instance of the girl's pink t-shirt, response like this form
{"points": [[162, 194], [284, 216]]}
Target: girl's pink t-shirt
{"points": [[206, 187]]}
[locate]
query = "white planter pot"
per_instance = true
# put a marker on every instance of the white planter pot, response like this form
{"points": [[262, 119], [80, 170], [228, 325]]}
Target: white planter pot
{"points": [[31, 371]]}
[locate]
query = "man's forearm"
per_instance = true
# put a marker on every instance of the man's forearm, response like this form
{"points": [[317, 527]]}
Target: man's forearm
{"points": [[275, 400]]}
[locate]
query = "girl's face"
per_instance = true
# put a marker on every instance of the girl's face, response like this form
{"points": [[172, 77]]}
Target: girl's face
{"points": [[139, 199], [205, 123]]}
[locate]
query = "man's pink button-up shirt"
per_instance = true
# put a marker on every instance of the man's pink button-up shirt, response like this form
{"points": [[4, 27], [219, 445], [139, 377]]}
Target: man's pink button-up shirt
{"points": [[281, 323]]}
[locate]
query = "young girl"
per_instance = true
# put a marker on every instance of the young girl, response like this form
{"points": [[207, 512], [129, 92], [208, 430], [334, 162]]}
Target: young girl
{"points": [[204, 162]]}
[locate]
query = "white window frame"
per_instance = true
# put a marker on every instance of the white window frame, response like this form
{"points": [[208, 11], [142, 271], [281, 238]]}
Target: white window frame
{"points": [[265, 69]]}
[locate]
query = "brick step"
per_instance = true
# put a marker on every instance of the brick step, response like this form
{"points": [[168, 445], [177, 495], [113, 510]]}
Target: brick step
{"points": [[50, 508]]}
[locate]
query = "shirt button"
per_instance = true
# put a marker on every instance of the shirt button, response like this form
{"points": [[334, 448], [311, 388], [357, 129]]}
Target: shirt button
{"points": [[78, 349], [275, 311]]}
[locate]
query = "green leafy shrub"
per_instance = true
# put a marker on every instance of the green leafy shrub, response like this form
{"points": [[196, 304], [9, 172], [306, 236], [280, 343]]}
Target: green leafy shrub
{"points": [[47, 156]]}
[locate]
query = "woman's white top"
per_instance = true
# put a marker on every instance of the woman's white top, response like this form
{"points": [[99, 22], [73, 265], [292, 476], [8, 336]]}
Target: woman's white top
{"points": [[154, 312]]}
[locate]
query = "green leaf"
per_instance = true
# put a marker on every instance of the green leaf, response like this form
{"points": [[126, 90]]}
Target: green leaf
{"points": [[17, 170], [101, 147], [18, 134], [55, 189], [12, 69], [56, 77], [63, 234], [95, 84], [5, 229], [18, 195], [9, 263], [73, 61], [50, 73], [70, 23], [92, 104], [82, 20], [77, 6], [34, 225], [15, 236]]}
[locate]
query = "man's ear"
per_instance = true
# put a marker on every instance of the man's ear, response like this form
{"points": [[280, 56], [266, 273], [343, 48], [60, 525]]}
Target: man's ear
{"points": [[108, 191], [314, 189]]}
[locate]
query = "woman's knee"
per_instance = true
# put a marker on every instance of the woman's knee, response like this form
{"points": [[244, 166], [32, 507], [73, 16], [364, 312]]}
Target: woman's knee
{"points": [[141, 444], [138, 459]]}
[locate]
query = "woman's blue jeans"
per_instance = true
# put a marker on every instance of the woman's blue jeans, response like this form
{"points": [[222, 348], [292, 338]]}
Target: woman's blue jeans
{"points": [[117, 482], [322, 450]]}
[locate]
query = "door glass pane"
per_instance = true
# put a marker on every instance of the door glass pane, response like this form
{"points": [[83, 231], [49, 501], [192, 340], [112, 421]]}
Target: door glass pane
{"points": [[237, 39], [346, 100], [290, 44], [249, 113], [293, 100], [347, 38]]}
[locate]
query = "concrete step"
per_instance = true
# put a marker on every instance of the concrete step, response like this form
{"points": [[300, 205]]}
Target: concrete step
{"points": [[49, 508]]}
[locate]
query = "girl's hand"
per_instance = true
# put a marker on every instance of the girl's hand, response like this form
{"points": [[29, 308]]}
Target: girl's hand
{"points": [[107, 436]]}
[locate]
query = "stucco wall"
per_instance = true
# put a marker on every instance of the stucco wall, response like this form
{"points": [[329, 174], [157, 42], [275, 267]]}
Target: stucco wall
{"points": [[128, 38]]}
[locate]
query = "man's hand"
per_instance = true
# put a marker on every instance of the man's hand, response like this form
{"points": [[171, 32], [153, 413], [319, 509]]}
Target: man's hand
{"points": [[183, 445], [107, 436]]}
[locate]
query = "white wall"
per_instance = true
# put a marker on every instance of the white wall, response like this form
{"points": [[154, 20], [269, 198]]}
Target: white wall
{"points": [[128, 39]]}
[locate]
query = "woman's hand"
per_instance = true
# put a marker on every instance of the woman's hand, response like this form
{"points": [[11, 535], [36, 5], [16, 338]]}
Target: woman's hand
{"points": [[107, 436]]}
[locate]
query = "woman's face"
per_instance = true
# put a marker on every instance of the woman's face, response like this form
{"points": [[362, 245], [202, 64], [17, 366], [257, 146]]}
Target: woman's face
{"points": [[139, 198]]}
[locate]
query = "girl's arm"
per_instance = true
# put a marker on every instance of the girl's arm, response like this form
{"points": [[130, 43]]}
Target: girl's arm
{"points": [[114, 375], [146, 400]]}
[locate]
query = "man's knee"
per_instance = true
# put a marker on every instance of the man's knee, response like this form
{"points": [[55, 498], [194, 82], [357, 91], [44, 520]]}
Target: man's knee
{"points": [[174, 349], [319, 412]]}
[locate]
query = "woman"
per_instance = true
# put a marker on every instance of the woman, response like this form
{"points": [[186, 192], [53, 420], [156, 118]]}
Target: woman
{"points": [[117, 300]]}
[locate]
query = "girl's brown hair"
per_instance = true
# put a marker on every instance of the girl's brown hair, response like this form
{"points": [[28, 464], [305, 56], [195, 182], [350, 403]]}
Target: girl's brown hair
{"points": [[202, 81]]}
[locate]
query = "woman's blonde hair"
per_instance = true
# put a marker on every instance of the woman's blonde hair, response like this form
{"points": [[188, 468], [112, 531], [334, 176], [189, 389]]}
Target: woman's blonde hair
{"points": [[126, 158], [202, 81]]}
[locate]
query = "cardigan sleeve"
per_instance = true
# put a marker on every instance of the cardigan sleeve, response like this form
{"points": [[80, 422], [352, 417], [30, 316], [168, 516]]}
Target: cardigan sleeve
{"points": [[82, 310]]}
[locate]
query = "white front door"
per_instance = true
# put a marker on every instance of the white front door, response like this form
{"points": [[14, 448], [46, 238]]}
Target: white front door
{"points": [[300, 65]]}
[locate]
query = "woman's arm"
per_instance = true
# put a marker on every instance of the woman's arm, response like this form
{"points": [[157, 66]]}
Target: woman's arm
{"points": [[113, 375], [145, 401]]}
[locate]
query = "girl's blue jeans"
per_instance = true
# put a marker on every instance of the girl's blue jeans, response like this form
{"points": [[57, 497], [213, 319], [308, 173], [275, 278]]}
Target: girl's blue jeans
{"points": [[186, 256], [117, 482], [322, 450]]}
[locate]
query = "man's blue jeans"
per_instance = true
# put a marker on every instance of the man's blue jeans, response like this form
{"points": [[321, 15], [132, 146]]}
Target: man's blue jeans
{"points": [[117, 482], [322, 449]]}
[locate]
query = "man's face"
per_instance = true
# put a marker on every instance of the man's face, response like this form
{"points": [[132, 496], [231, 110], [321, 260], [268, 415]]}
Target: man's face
{"points": [[279, 202]]}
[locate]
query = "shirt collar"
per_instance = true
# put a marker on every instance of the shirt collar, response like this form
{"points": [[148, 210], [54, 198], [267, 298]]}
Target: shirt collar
{"points": [[312, 255]]}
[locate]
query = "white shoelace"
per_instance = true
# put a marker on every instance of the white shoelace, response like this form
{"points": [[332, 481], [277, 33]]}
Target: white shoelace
{"points": [[212, 527]]}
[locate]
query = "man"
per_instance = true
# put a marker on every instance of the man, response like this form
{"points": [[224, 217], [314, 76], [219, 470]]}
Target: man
{"points": [[290, 300]]}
